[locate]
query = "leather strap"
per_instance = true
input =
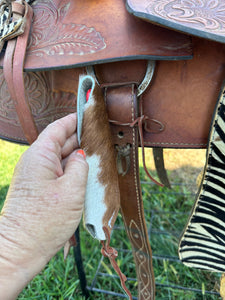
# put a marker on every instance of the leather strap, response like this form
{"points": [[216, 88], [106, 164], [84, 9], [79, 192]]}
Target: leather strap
{"points": [[18, 8], [8, 66], [130, 190], [13, 72], [160, 167]]}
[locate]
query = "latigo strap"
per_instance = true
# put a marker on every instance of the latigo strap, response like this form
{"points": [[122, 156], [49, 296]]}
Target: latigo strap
{"points": [[130, 189]]}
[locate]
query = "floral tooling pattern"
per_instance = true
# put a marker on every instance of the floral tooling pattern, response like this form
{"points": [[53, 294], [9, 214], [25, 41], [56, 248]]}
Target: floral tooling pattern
{"points": [[60, 38], [206, 15]]}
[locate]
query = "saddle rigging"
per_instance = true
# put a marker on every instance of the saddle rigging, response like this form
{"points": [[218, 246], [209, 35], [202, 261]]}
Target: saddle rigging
{"points": [[46, 46]]}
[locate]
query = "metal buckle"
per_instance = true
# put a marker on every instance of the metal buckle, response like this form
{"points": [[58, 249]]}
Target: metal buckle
{"points": [[142, 86]]}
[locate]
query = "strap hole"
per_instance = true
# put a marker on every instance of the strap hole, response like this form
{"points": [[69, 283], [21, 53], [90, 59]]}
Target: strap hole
{"points": [[120, 134]]}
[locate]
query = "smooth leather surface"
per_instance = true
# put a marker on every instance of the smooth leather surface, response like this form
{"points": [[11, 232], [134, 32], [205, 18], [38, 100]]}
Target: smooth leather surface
{"points": [[183, 96]]}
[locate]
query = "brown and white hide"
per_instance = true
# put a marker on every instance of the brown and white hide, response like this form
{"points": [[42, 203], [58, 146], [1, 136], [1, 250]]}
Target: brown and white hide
{"points": [[102, 199]]}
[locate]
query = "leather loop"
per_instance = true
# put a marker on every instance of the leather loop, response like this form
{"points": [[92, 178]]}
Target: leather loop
{"points": [[23, 110], [159, 126], [18, 8], [139, 121], [8, 66], [13, 72]]}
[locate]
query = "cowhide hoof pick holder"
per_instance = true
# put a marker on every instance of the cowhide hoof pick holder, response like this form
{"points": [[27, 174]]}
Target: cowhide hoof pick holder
{"points": [[102, 199]]}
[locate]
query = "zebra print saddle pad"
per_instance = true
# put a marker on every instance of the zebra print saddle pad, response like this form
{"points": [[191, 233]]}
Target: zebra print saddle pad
{"points": [[203, 242]]}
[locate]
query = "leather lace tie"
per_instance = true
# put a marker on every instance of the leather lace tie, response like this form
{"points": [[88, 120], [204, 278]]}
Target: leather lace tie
{"points": [[112, 254], [140, 121]]}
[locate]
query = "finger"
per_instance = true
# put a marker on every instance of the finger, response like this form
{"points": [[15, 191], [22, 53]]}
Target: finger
{"points": [[64, 162], [70, 145], [59, 131], [74, 180], [76, 169]]}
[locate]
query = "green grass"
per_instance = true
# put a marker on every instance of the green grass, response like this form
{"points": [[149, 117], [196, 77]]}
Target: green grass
{"points": [[165, 212], [9, 155]]}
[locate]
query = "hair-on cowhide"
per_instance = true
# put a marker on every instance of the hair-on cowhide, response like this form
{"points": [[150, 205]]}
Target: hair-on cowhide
{"points": [[102, 200]]}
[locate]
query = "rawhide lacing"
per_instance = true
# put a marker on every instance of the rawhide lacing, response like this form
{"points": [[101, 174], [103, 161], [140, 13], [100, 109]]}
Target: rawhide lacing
{"points": [[140, 121], [112, 254]]}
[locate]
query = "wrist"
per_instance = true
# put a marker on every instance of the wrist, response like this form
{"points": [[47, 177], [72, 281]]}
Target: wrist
{"points": [[18, 264]]}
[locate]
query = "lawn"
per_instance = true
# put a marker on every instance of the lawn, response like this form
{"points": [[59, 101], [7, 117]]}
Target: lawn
{"points": [[166, 214]]}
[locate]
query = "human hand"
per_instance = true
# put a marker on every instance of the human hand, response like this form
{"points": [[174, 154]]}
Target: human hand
{"points": [[45, 200]]}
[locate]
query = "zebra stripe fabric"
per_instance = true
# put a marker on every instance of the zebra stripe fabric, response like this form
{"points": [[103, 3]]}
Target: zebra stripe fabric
{"points": [[203, 243]]}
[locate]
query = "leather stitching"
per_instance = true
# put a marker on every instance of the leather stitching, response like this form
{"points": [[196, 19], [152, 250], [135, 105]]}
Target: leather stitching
{"points": [[139, 270], [175, 144]]}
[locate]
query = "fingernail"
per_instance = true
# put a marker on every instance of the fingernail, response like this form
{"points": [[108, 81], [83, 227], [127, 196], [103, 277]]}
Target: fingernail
{"points": [[81, 152]]}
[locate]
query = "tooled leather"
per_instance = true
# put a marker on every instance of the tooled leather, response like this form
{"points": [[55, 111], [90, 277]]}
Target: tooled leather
{"points": [[13, 72], [71, 33], [204, 17], [46, 103], [131, 199], [50, 37], [182, 102]]}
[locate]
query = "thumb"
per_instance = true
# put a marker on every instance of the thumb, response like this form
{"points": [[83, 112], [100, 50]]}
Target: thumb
{"points": [[76, 167]]}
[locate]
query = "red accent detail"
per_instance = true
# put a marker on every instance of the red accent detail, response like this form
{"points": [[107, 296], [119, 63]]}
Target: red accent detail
{"points": [[88, 95]]}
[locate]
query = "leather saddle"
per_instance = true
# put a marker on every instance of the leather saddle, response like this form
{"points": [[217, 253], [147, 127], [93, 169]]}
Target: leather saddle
{"points": [[160, 65]]}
